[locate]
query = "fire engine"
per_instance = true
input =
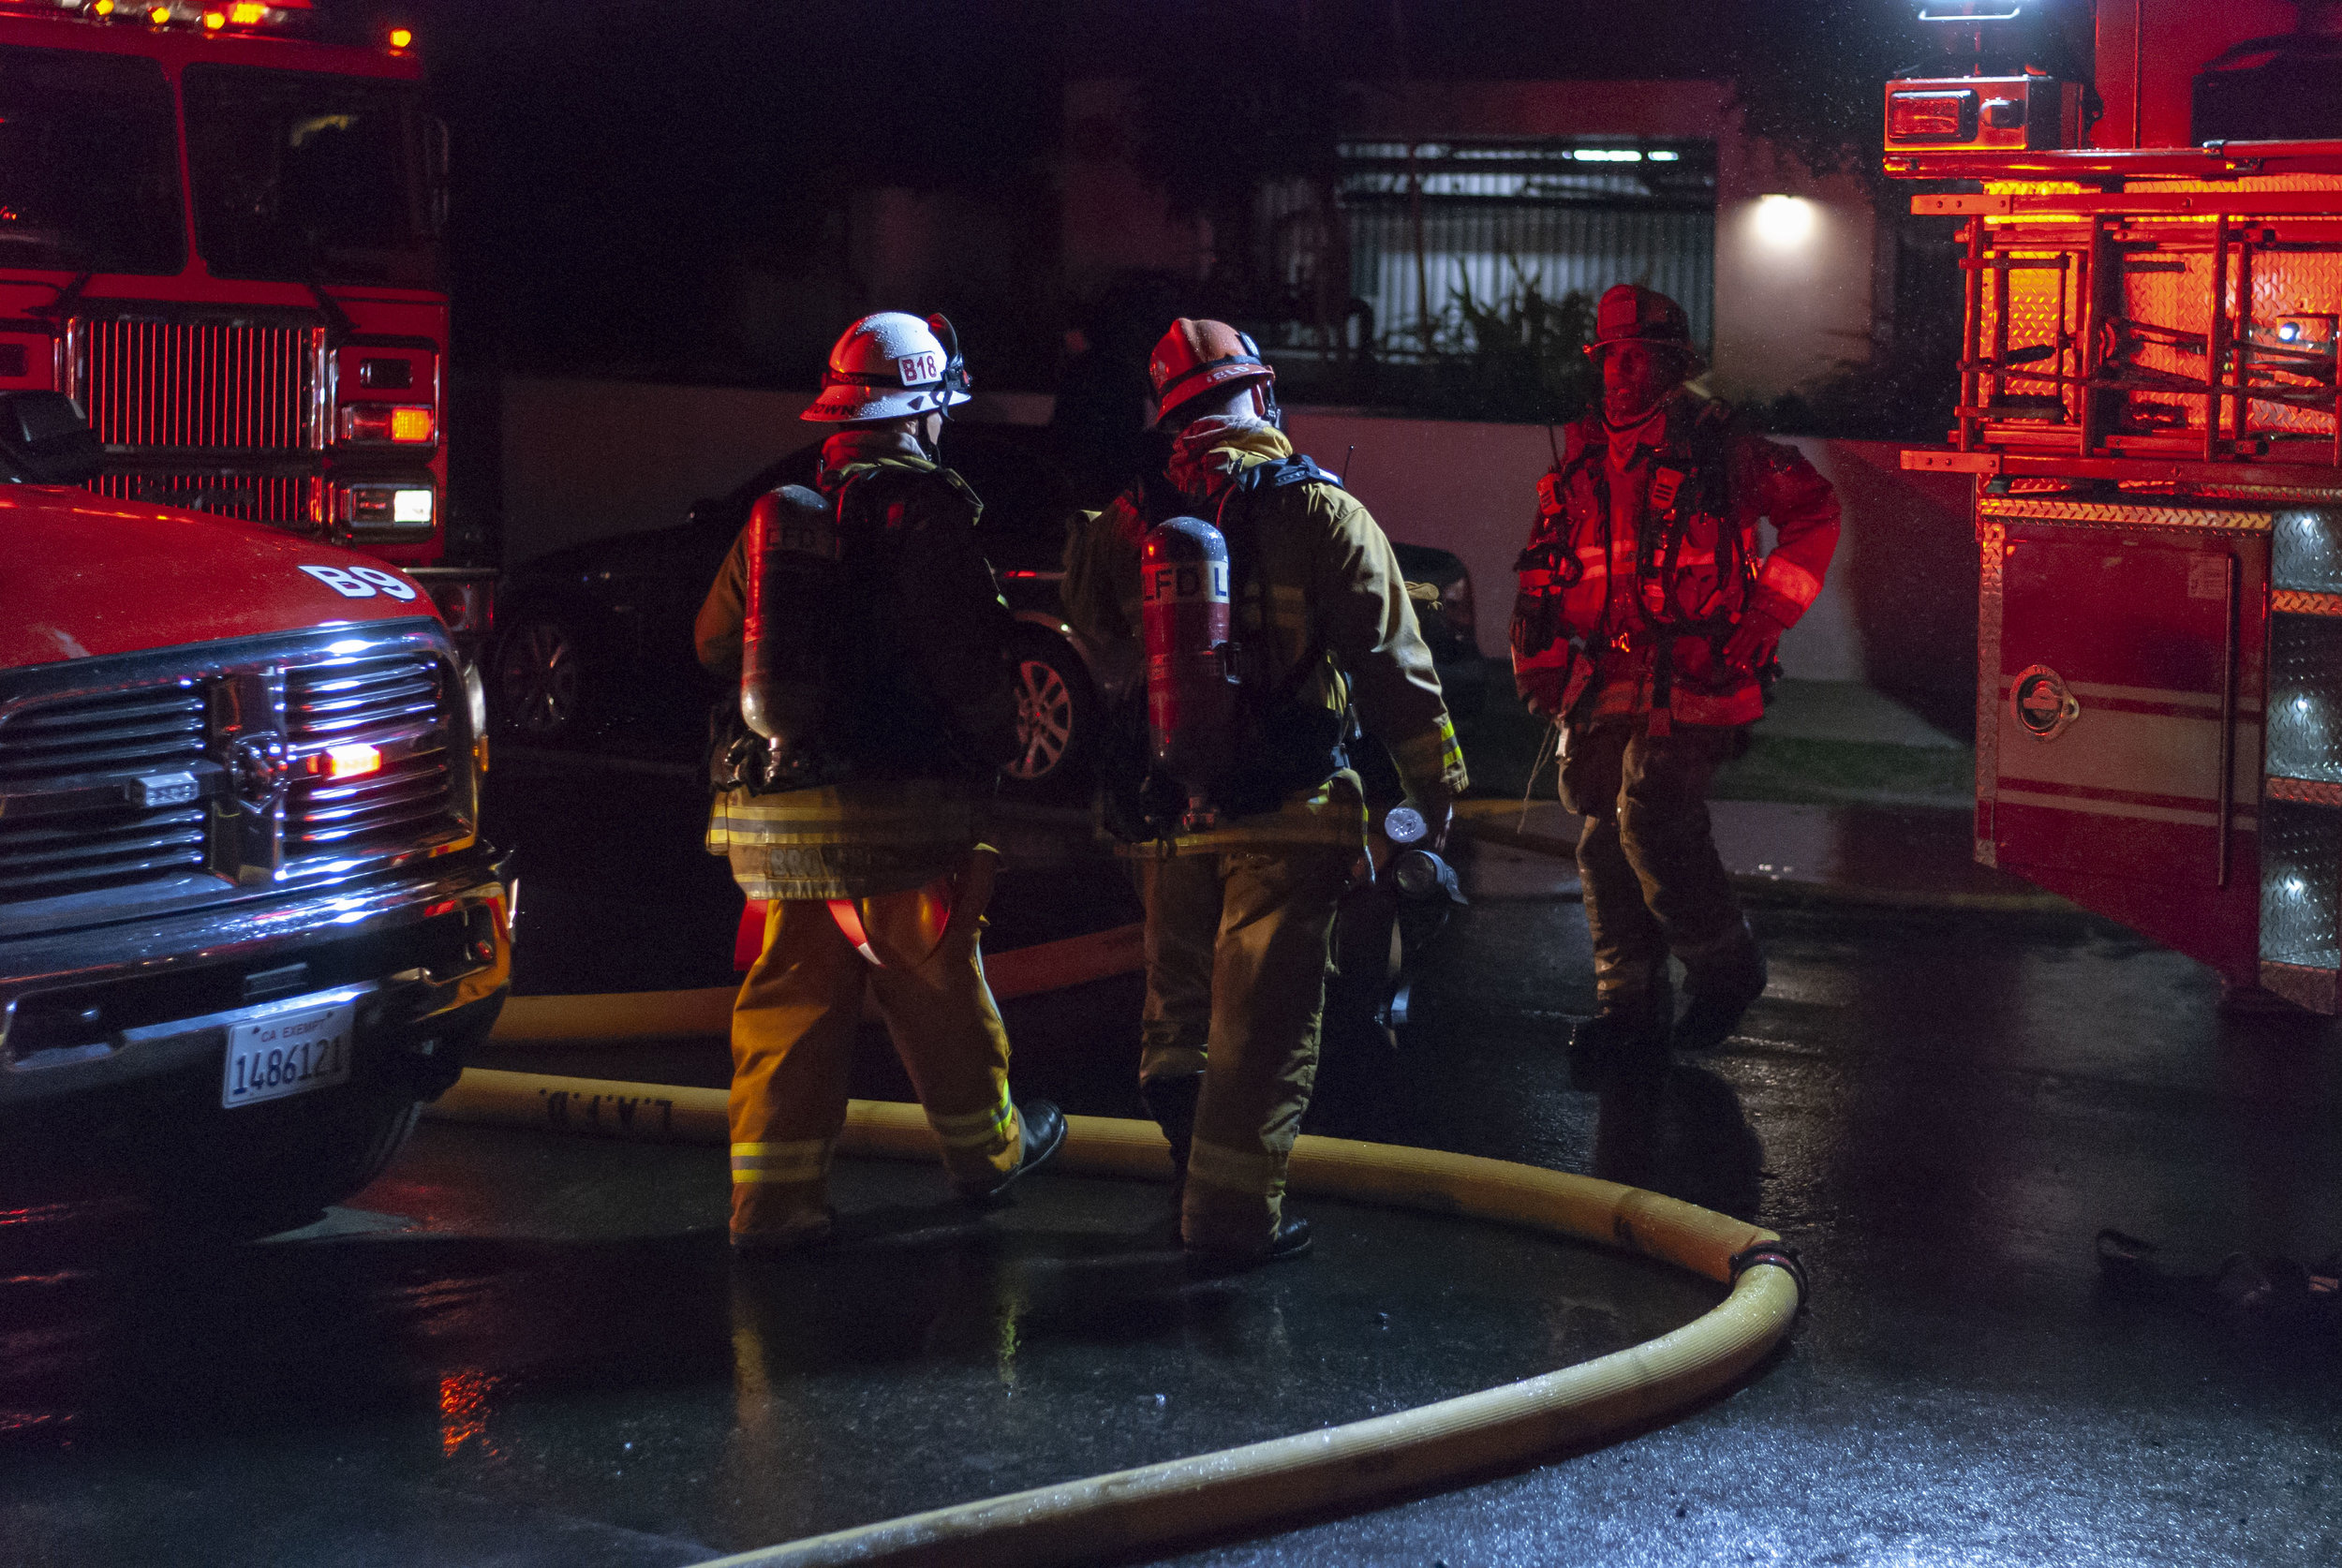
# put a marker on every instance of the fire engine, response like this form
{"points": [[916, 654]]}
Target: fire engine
{"points": [[2149, 194], [219, 235]]}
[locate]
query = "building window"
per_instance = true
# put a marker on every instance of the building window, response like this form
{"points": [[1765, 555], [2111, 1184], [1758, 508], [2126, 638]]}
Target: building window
{"points": [[1426, 226]]}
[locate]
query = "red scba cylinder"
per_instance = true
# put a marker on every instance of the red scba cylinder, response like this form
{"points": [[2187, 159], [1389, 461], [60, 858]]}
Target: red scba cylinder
{"points": [[1191, 679], [793, 575]]}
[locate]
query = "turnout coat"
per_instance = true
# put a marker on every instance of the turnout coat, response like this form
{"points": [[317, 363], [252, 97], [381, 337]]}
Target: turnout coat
{"points": [[1625, 601]]}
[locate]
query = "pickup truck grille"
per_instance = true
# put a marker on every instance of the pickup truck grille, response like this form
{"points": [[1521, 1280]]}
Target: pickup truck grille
{"points": [[397, 703], [164, 787], [93, 742]]}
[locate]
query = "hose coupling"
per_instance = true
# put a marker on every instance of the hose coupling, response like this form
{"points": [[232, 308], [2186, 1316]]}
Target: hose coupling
{"points": [[1781, 1255]]}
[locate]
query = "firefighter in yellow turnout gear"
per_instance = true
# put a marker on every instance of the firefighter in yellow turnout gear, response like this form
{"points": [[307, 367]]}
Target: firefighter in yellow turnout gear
{"points": [[864, 841], [1239, 915]]}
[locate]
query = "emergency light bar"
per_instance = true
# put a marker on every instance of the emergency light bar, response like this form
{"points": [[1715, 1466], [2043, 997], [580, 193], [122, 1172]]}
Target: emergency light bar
{"points": [[217, 16]]}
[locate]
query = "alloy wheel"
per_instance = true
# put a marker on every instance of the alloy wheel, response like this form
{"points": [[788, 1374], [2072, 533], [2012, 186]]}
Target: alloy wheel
{"points": [[537, 678], [1044, 721]]}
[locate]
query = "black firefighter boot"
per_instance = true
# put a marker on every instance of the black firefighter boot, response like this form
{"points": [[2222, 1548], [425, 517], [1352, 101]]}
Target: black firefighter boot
{"points": [[1722, 982], [1629, 1029], [1040, 1133], [1170, 1099]]}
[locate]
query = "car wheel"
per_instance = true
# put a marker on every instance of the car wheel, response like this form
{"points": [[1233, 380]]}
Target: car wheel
{"points": [[1057, 709], [541, 685]]}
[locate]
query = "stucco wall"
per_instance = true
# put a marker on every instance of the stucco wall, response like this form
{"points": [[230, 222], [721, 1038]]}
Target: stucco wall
{"points": [[1789, 306]]}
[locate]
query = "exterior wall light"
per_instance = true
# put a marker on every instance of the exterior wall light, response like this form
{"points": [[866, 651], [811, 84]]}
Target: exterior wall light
{"points": [[1785, 222]]}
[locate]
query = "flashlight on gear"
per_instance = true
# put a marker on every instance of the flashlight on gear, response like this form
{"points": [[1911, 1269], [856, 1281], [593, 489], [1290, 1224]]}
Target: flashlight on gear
{"points": [[1419, 873]]}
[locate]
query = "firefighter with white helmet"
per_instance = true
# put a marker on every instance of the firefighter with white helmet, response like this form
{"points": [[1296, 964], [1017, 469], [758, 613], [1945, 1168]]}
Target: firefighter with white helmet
{"points": [[1241, 901], [876, 710], [1645, 628]]}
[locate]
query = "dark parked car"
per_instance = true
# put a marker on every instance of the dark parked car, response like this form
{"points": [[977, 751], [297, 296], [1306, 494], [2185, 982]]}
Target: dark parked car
{"points": [[600, 633]]}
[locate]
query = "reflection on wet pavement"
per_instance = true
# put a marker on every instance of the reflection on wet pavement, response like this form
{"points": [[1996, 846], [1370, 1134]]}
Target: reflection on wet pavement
{"points": [[933, 1355], [530, 1350]]}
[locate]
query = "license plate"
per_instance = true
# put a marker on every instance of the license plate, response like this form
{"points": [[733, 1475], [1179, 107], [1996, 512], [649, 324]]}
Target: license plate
{"points": [[288, 1053]]}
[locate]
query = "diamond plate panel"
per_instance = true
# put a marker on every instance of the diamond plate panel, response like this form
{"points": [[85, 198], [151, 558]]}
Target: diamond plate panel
{"points": [[2043, 310], [2305, 551], [2304, 790], [2282, 281], [2300, 885], [2160, 514], [2305, 698], [2171, 289], [2285, 601], [2313, 988], [1991, 548]]}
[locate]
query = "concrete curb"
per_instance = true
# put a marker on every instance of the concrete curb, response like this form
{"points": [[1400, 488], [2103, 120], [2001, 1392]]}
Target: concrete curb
{"points": [[1491, 821]]}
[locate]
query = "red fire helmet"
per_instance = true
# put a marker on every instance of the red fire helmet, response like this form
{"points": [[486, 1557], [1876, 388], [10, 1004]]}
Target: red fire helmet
{"points": [[1195, 357], [1629, 312]]}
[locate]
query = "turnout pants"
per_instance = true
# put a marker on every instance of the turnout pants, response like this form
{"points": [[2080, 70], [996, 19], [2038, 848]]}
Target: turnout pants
{"points": [[1646, 856], [793, 1032], [1238, 945]]}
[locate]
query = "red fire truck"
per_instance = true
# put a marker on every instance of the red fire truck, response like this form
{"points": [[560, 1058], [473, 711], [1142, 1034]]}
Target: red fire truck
{"points": [[248, 922], [219, 234], [2150, 407]]}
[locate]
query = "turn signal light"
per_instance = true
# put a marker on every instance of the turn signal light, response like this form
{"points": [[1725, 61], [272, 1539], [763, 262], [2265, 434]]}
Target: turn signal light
{"points": [[401, 38], [353, 762], [380, 421]]}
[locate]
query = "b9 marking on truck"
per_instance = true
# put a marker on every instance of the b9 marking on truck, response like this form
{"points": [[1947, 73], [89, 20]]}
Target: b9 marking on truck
{"points": [[362, 582]]}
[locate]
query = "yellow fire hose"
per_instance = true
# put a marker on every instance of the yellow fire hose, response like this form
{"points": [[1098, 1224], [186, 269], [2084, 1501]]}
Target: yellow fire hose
{"points": [[1146, 1510], [1020, 971]]}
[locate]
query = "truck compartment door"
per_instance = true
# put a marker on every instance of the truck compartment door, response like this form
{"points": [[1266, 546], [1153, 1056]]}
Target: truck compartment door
{"points": [[2118, 707]]}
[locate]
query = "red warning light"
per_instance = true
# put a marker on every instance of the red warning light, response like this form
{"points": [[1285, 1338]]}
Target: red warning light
{"points": [[400, 36]]}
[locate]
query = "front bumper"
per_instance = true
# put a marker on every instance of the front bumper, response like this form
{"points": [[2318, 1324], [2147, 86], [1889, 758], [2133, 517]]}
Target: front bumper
{"points": [[420, 953]]}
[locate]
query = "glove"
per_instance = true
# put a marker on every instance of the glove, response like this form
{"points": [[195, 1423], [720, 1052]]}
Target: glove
{"points": [[1541, 692], [1751, 646], [1551, 685]]}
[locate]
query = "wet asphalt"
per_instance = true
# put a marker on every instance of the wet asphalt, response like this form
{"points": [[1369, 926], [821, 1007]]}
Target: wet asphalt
{"points": [[521, 1350]]}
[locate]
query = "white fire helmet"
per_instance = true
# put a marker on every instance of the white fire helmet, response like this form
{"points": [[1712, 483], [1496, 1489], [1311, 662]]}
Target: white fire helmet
{"points": [[891, 366]]}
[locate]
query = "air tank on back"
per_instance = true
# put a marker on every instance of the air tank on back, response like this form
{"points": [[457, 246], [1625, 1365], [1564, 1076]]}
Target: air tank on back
{"points": [[1191, 674], [794, 582]]}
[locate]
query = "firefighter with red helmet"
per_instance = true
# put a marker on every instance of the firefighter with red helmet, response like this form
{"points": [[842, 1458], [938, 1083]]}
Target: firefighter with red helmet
{"points": [[1240, 898], [1645, 628], [879, 708]]}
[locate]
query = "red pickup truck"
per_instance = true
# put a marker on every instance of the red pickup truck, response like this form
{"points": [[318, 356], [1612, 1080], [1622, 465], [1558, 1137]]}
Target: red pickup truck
{"points": [[246, 922]]}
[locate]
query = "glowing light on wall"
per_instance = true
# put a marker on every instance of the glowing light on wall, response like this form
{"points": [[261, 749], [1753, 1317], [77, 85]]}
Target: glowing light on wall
{"points": [[1785, 222]]}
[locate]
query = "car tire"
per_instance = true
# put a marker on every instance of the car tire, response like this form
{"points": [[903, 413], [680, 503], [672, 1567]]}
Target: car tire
{"points": [[1057, 719], [539, 685]]}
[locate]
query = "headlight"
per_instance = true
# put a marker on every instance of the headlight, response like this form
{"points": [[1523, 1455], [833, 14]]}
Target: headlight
{"points": [[385, 506]]}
